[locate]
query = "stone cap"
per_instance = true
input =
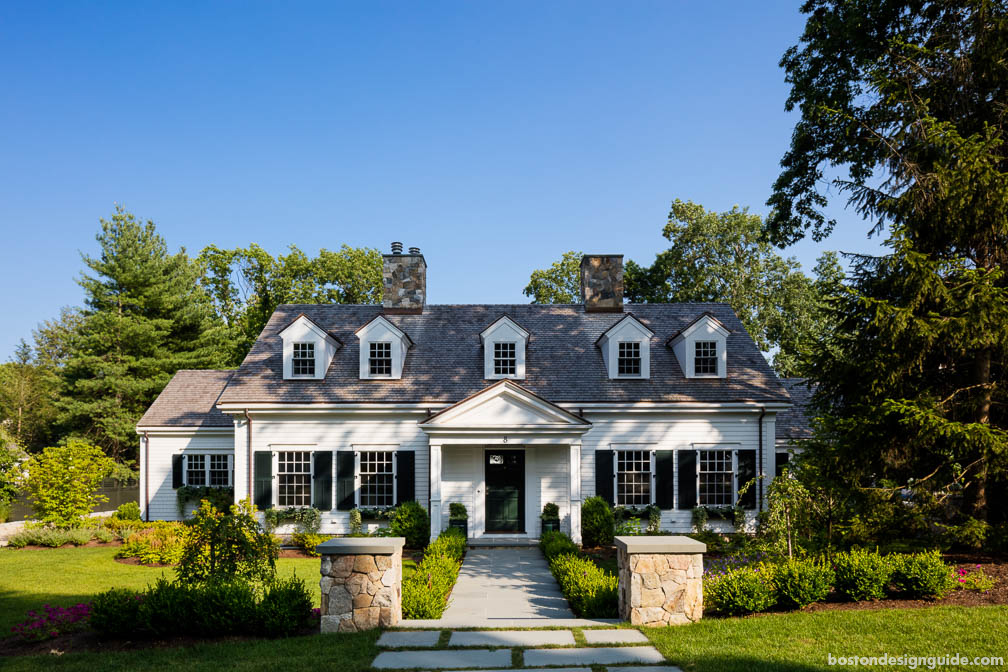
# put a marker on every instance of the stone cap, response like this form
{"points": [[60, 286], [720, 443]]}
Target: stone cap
{"points": [[361, 546], [660, 544]]}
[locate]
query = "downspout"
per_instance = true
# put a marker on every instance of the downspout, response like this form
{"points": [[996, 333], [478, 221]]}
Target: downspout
{"points": [[146, 439], [759, 479], [248, 442]]}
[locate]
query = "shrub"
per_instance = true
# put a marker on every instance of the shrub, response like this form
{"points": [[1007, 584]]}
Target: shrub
{"points": [[159, 544], [591, 592], [169, 608], [411, 521], [286, 608], [629, 527], [861, 575], [307, 541], [39, 536], [53, 621], [550, 511], [356, 522], [62, 482], [116, 612], [80, 536], [799, 583], [597, 522], [451, 543], [921, 575], [457, 511], [5, 510], [222, 547], [104, 536], [122, 529], [127, 511], [425, 592], [553, 544], [746, 590], [305, 518], [224, 608]]}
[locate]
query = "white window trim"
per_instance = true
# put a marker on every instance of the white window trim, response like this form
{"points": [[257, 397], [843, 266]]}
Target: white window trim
{"points": [[275, 455], [627, 330], [640, 359], [379, 448], [206, 469], [315, 358], [392, 359], [719, 347], [616, 448], [734, 448]]}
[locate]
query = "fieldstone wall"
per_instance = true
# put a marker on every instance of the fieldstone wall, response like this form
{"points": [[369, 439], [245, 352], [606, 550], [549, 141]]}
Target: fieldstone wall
{"points": [[660, 587], [362, 588], [602, 282], [404, 282]]}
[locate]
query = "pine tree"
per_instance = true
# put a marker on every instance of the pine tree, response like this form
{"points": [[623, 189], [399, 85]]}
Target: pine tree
{"points": [[145, 318]]}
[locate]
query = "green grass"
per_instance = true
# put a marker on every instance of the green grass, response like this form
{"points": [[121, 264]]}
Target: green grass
{"points": [[30, 578], [801, 641]]}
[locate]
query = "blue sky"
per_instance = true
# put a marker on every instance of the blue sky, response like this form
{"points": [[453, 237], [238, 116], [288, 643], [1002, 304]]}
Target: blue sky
{"points": [[493, 135]]}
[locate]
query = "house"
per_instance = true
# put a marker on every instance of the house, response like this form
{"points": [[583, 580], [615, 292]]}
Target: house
{"points": [[500, 407]]}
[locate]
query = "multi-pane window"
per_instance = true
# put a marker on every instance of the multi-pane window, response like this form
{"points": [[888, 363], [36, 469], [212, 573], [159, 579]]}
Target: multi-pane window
{"points": [[303, 363], [628, 360], [716, 479], [377, 478], [705, 362], [505, 361], [633, 477], [380, 359], [220, 474], [294, 478], [196, 469]]}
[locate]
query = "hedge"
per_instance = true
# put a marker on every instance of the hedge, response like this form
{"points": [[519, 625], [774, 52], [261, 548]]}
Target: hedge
{"points": [[591, 592], [425, 593]]}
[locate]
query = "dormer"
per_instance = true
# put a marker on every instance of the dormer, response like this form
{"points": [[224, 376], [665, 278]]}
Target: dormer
{"points": [[702, 348], [308, 349], [626, 349], [383, 349], [504, 344]]}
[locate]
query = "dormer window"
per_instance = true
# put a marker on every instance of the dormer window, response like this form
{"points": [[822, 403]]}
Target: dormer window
{"points": [[380, 359], [504, 345], [303, 362], [628, 362], [505, 361], [705, 358]]}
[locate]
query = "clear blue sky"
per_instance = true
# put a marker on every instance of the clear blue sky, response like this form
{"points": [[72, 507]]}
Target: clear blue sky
{"points": [[493, 135]]}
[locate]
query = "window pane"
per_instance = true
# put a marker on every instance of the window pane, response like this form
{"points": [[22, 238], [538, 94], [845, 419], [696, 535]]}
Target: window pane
{"points": [[505, 362], [628, 360], [633, 477], [294, 478], [303, 363], [219, 472], [716, 486], [380, 359], [706, 358], [196, 469], [376, 487]]}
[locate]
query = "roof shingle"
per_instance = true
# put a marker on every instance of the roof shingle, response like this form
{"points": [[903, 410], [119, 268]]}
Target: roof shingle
{"points": [[189, 400], [793, 423]]}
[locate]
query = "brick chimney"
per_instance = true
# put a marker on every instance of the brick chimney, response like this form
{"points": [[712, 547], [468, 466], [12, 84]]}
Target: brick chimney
{"points": [[602, 283], [404, 281]]}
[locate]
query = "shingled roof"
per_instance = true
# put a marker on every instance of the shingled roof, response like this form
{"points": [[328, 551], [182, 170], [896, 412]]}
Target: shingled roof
{"points": [[793, 423], [189, 400], [445, 363]]}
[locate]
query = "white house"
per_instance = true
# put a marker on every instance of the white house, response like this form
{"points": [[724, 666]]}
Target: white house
{"points": [[501, 407]]}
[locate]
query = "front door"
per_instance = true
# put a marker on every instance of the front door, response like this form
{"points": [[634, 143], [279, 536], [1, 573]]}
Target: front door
{"points": [[505, 491]]}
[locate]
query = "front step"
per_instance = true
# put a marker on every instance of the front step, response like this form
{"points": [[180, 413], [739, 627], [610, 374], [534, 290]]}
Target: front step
{"points": [[502, 541]]}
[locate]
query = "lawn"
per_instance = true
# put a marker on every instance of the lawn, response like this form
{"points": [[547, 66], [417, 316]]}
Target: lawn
{"points": [[30, 578], [801, 641]]}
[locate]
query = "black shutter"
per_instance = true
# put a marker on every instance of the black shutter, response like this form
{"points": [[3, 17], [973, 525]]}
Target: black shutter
{"points": [[262, 477], [665, 479], [782, 461], [604, 475], [345, 494], [176, 471], [687, 479], [405, 476], [322, 480], [746, 473]]}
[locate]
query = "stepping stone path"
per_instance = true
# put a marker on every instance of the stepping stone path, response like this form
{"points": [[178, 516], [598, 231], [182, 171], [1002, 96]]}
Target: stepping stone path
{"points": [[496, 650]]}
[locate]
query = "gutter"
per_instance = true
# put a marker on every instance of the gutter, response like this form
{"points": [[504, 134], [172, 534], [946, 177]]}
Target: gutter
{"points": [[146, 440], [248, 443], [759, 480]]}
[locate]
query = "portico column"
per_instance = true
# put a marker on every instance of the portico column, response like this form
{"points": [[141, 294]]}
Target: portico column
{"points": [[435, 490], [575, 492]]}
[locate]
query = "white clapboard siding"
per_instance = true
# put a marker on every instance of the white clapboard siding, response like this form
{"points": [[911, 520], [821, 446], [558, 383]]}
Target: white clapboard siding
{"points": [[163, 502]]}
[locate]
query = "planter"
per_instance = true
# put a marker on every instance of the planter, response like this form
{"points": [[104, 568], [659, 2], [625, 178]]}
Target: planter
{"points": [[460, 525], [550, 524]]}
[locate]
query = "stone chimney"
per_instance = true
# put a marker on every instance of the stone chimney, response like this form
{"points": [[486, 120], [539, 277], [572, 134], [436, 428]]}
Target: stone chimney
{"points": [[602, 283], [404, 281]]}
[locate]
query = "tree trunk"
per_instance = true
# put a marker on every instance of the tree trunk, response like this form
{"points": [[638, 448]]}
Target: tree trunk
{"points": [[983, 366]]}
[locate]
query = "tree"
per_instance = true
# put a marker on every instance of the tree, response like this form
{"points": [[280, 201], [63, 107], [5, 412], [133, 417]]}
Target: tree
{"points": [[26, 399], [11, 456], [145, 318], [221, 547], [724, 257], [62, 482], [247, 285], [560, 283], [907, 102]]}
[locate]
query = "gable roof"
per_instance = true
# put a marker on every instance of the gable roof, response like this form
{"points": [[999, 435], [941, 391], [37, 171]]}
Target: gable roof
{"points": [[705, 314], [446, 361], [316, 327], [633, 320], [793, 423], [538, 410], [189, 400]]}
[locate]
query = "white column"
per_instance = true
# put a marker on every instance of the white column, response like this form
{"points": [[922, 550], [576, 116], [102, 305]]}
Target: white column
{"points": [[241, 463], [435, 490], [575, 492]]}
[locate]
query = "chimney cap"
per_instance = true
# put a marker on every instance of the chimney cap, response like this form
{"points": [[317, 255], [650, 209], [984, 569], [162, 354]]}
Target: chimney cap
{"points": [[396, 247], [414, 250]]}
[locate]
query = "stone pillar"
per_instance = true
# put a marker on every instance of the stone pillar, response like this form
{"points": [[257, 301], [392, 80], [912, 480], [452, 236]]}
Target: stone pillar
{"points": [[361, 583], [660, 580]]}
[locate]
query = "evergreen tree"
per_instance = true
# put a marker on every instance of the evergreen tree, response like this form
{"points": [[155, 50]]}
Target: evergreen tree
{"points": [[145, 318]]}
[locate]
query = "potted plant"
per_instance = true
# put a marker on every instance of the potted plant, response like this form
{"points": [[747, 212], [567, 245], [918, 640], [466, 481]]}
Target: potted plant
{"points": [[458, 517], [550, 517]]}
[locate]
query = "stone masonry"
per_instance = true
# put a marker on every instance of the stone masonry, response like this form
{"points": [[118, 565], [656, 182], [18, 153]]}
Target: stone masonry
{"points": [[602, 283], [660, 580], [404, 282], [361, 583]]}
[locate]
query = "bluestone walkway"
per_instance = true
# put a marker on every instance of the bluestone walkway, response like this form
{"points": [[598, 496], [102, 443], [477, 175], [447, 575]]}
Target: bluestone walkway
{"points": [[506, 588]]}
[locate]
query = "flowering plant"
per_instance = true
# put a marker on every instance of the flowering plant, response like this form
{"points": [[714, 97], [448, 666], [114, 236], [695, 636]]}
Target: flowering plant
{"points": [[53, 621], [976, 580]]}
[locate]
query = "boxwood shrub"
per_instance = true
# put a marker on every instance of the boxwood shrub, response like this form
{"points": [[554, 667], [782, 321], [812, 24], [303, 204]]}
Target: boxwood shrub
{"points": [[286, 608], [921, 575], [799, 583], [425, 592], [590, 591], [746, 590], [554, 543], [598, 525], [861, 574], [412, 522]]}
